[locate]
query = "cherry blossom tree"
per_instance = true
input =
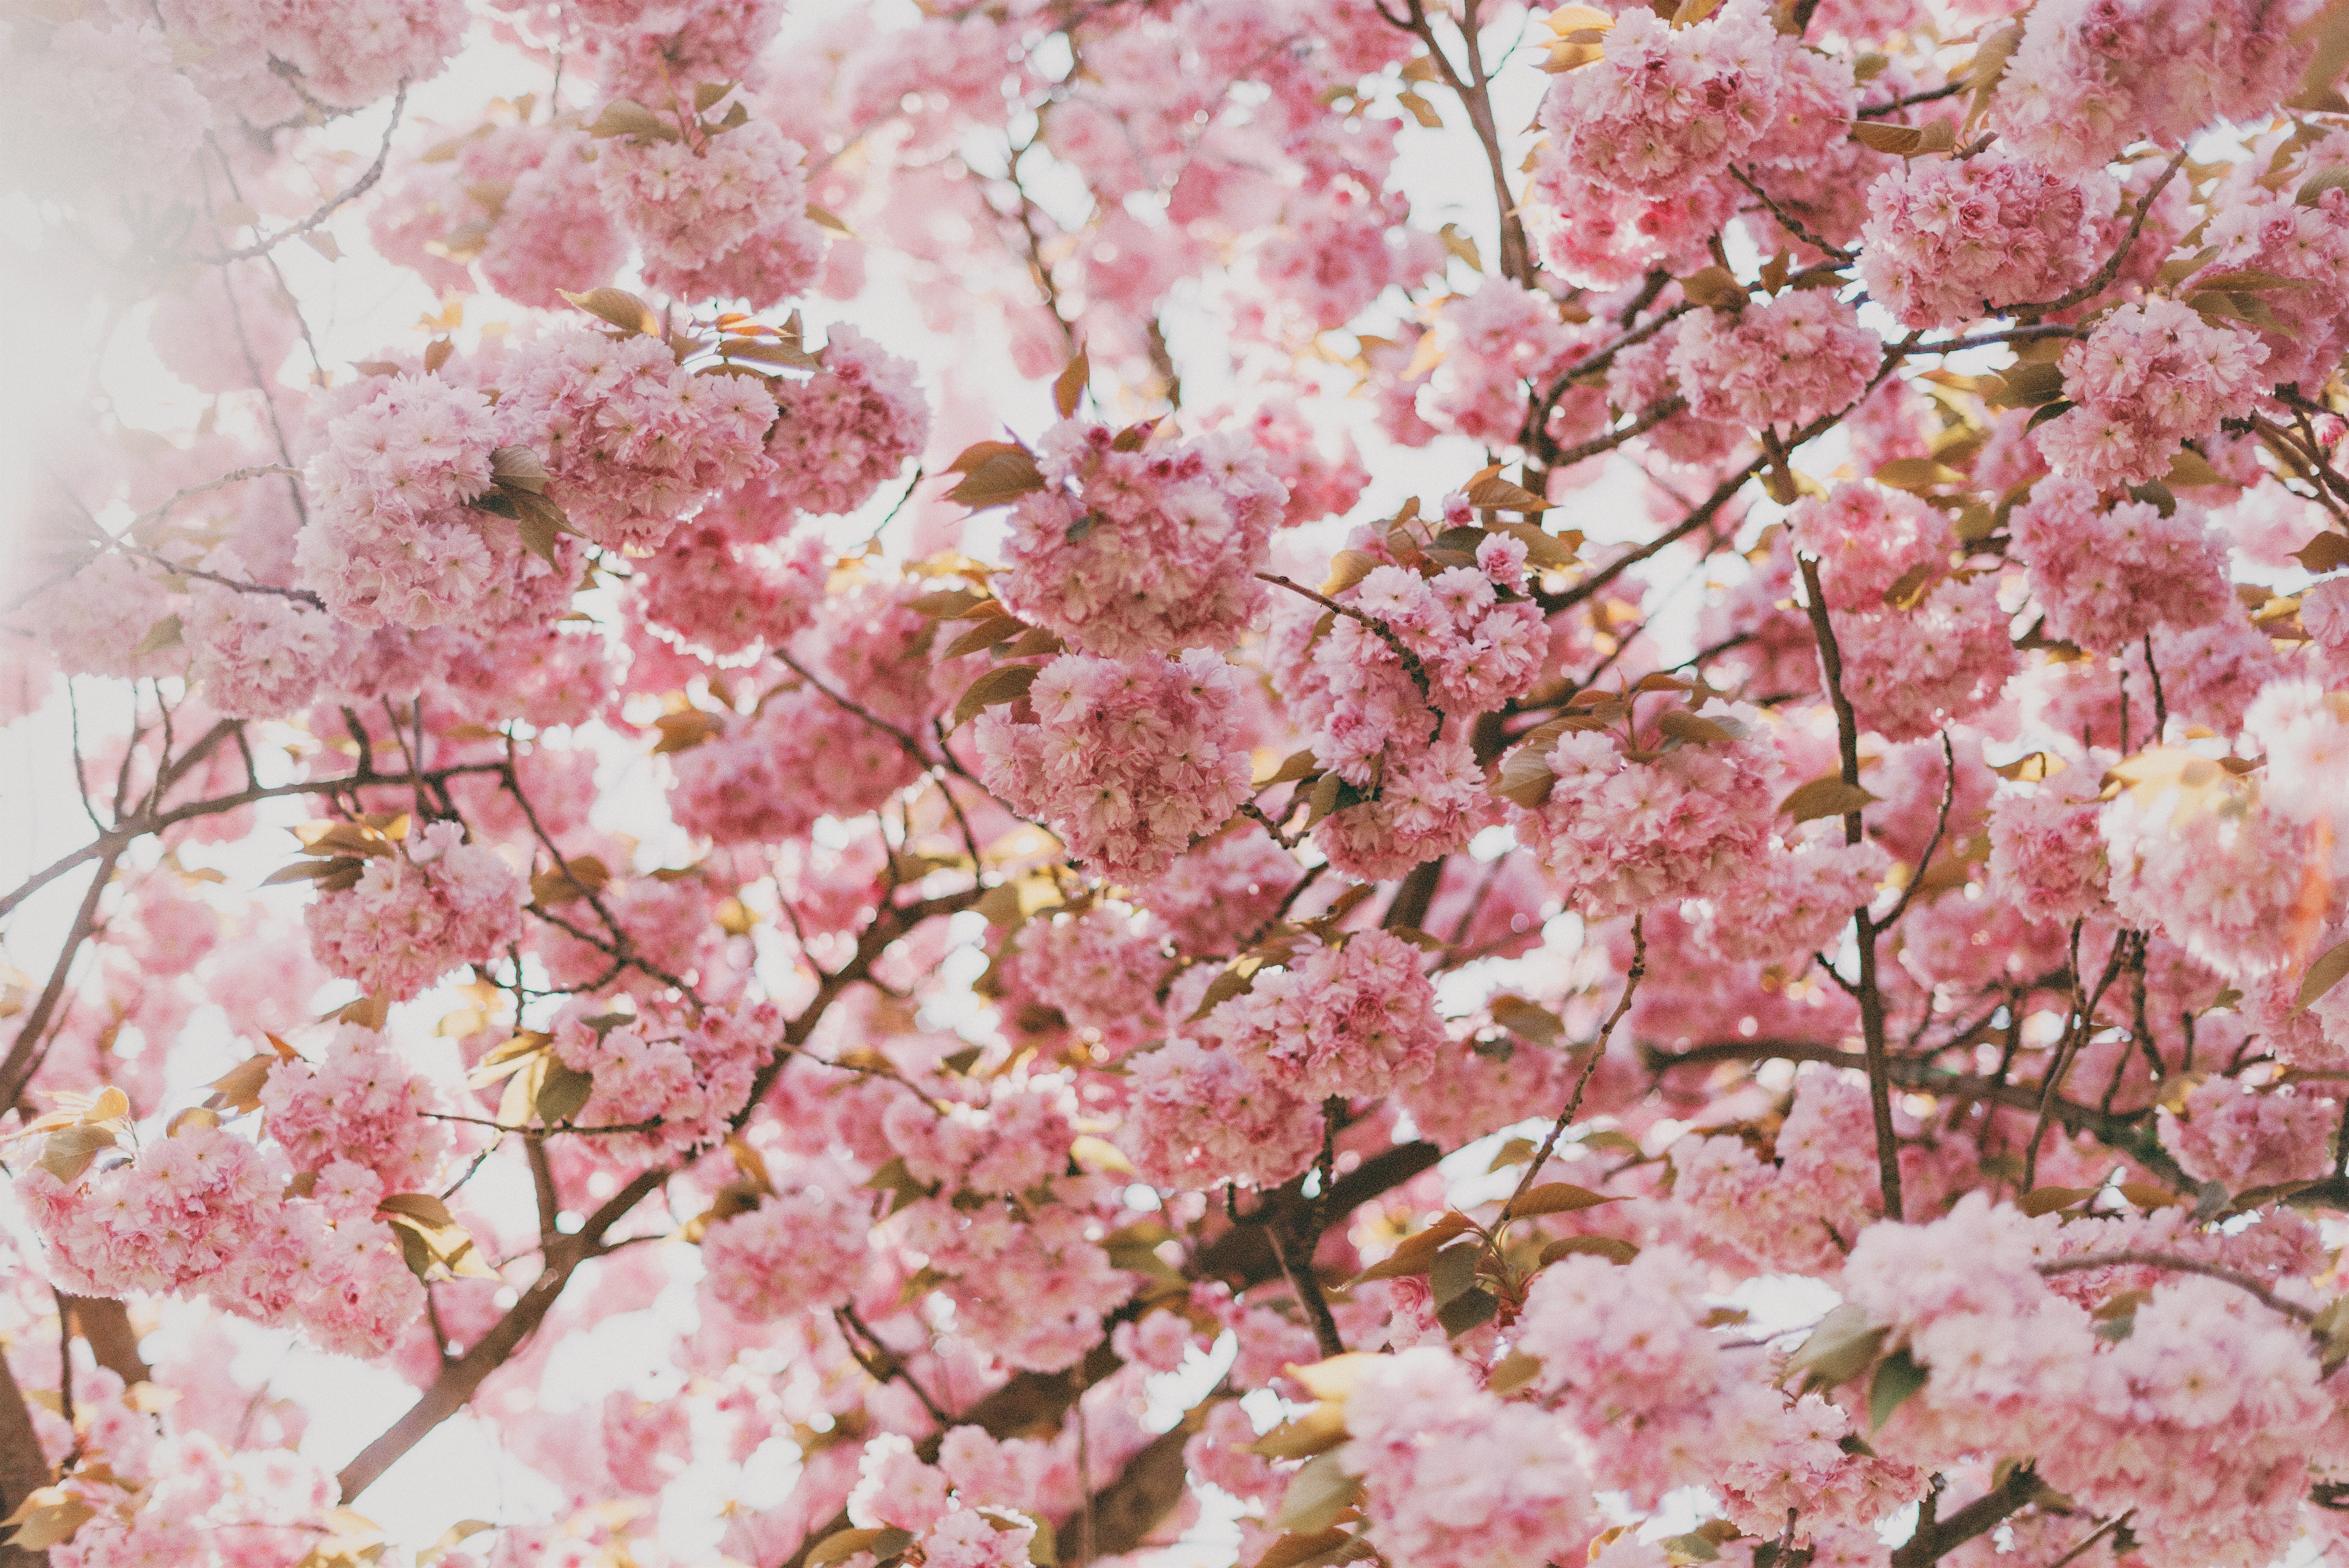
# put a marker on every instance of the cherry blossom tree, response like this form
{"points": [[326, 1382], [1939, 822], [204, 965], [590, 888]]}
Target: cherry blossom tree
{"points": [[857, 754]]}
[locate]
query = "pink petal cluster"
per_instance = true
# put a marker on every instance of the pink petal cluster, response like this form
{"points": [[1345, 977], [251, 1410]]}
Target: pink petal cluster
{"points": [[1221, 892], [1798, 899], [1096, 969], [1950, 240], [1668, 106], [1906, 669], [848, 429], [718, 216], [2107, 576], [360, 1104], [1781, 363], [256, 655], [1195, 1117], [390, 540], [724, 598], [1032, 1292], [1783, 1216], [174, 1215], [1146, 551], [2225, 876], [2149, 376], [690, 1075], [1622, 835], [1456, 1476], [2091, 76], [632, 441], [2046, 853], [2244, 1138], [417, 914], [327, 1267], [1358, 1018], [801, 1247], [1127, 762]]}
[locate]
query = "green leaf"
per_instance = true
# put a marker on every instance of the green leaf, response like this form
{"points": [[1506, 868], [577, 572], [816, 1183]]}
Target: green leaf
{"points": [[1453, 1271], [1838, 1350], [1316, 1495], [1896, 1378], [563, 1092], [1465, 1311]]}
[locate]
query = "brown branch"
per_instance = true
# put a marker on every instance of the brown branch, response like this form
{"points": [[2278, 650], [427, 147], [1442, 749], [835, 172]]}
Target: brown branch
{"points": [[113, 1343], [1935, 1539], [1865, 991], [1033, 1403], [463, 1377], [24, 1052], [2101, 279], [348, 193], [24, 1468], [1598, 1053], [2136, 1257]]}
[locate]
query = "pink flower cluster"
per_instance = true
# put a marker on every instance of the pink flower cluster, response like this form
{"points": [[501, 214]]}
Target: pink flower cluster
{"points": [[2242, 1138], [2091, 76], [1147, 551], [360, 1105], [2107, 576], [772, 775], [2046, 853], [1128, 762], [1030, 1291], [1782, 363], [1945, 656], [416, 914], [2148, 377], [1456, 1476], [327, 1267], [847, 429], [1949, 240], [256, 655], [720, 216], [1668, 107], [1796, 898], [801, 1247], [1358, 1018], [1221, 892], [1096, 969], [690, 1076], [1195, 1117], [1622, 835], [173, 1216], [633, 442], [390, 541], [725, 598], [1783, 1217], [519, 201], [2225, 876]]}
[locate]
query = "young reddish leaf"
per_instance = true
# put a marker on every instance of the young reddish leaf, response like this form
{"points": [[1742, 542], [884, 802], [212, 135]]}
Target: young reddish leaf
{"points": [[1068, 387]]}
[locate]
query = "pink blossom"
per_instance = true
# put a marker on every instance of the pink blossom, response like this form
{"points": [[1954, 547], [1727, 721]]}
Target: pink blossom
{"points": [[434, 904]]}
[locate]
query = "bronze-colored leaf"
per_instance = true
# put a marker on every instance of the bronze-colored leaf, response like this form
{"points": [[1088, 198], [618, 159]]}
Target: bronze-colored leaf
{"points": [[685, 730], [626, 116], [2322, 975], [1489, 491], [562, 1093], [1713, 286], [618, 306], [1000, 477], [1557, 1198], [991, 631], [2048, 1200], [1829, 796], [1069, 386], [2328, 551], [1348, 567], [1004, 683], [1682, 725]]}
